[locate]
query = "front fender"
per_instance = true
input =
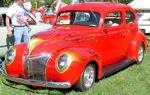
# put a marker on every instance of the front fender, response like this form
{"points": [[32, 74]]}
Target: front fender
{"points": [[15, 68], [80, 57], [137, 39]]}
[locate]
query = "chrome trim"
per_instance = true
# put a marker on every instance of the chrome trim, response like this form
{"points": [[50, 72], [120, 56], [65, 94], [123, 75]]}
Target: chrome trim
{"points": [[88, 76], [34, 66], [78, 41], [117, 32], [33, 58], [35, 82], [89, 37], [65, 65], [140, 54]]}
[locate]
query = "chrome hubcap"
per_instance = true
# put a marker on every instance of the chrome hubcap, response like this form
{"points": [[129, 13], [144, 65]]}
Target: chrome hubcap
{"points": [[140, 54], [89, 76]]}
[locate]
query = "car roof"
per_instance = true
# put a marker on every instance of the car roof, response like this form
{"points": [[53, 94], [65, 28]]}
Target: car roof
{"points": [[3, 10], [96, 6]]}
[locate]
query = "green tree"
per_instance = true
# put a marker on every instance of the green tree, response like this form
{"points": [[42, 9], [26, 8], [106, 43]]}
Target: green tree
{"points": [[36, 3], [5, 3], [125, 1], [48, 3], [67, 1]]}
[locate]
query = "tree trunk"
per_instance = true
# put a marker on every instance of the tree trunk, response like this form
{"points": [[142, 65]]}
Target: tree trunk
{"points": [[1, 3]]}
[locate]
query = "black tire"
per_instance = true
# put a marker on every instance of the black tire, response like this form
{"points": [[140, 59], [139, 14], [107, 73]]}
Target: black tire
{"points": [[81, 84], [140, 53]]}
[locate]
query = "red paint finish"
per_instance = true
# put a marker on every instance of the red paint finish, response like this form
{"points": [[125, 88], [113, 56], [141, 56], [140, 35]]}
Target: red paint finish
{"points": [[16, 67], [83, 44]]}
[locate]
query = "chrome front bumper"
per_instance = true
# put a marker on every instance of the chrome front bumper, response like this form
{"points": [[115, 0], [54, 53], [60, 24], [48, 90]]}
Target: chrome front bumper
{"points": [[35, 82]]}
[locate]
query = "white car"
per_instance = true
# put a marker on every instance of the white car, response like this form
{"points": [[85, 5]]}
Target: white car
{"points": [[144, 22], [5, 41]]}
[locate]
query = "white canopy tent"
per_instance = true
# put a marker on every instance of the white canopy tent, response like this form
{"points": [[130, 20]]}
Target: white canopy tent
{"points": [[78, 1], [140, 4]]}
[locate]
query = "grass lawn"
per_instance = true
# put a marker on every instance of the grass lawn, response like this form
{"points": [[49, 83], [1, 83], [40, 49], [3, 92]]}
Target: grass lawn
{"points": [[134, 80]]}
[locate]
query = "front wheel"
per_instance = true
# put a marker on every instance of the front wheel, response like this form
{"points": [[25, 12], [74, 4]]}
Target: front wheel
{"points": [[140, 53], [87, 78]]}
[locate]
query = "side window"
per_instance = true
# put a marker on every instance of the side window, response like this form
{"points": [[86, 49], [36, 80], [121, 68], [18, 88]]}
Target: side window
{"points": [[129, 17], [113, 19]]}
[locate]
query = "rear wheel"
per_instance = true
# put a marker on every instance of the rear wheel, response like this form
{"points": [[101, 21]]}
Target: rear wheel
{"points": [[140, 53], [87, 78]]}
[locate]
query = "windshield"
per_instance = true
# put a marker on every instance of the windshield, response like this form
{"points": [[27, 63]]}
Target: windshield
{"points": [[78, 18]]}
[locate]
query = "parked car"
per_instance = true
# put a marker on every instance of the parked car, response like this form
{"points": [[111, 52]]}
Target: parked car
{"points": [[94, 41], [6, 41], [144, 22]]}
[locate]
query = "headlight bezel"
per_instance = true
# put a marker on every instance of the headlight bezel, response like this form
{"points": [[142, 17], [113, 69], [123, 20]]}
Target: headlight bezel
{"points": [[9, 57], [64, 61]]}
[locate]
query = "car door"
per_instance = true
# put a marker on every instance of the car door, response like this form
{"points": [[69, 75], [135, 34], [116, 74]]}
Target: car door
{"points": [[131, 26], [112, 39]]}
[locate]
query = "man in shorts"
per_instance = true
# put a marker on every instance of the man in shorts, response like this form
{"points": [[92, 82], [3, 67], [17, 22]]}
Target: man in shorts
{"points": [[16, 13]]}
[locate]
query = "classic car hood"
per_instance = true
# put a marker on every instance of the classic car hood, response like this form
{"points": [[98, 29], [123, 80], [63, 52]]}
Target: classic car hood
{"points": [[58, 36], [64, 33]]}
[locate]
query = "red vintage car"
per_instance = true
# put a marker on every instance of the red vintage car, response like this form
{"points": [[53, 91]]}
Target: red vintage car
{"points": [[94, 41]]}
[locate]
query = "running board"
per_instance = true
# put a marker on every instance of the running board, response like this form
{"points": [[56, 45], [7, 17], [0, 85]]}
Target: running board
{"points": [[110, 69]]}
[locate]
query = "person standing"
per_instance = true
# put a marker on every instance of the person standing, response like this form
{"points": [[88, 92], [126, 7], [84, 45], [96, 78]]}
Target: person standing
{"points": [[16, 13], [27, 6], [38, 15]]}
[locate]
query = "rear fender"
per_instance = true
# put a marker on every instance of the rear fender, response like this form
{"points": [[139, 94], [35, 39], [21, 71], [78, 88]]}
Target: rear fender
{"points": [[133, 48]]}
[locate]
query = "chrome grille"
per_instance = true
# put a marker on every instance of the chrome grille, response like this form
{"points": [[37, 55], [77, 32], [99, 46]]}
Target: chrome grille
{"points": [[34, 67]]}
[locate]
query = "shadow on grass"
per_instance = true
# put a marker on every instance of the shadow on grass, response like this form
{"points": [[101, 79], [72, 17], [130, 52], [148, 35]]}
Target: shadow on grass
{"points": [[36, 90]]}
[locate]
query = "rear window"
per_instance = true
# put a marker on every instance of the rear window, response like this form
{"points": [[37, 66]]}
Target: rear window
{"points": [[129, 17], [113, 19]]}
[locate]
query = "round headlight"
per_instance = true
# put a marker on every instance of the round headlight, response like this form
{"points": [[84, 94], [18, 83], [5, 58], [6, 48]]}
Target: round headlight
{"points": [[62, 62], [9, 56]]}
